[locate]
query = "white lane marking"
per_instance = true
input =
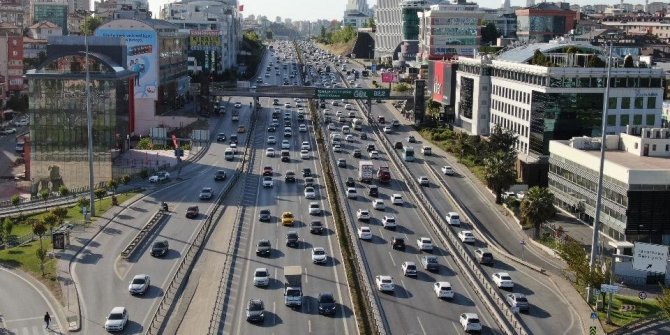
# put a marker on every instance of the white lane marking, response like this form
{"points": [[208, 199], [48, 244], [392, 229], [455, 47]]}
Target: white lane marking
{"points": [[458, 330], [392, 260], [309, 326], [423, 330], [51, 308], [306, 275], [24, 319]]}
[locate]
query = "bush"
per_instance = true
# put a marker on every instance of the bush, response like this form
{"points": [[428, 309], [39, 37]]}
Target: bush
{"points": [[83, 202], [100, 193], [145, 144], [401, 87], [63, 190], [125, 179]]}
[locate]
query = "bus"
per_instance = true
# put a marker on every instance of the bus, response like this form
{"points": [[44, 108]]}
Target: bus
{"points": [[408, 154]]}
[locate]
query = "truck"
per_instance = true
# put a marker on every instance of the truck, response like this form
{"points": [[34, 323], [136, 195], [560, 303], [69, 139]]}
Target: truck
{"points": [[384, 174], [236, 115], [365, 171], [293, 286], [357, 124]]}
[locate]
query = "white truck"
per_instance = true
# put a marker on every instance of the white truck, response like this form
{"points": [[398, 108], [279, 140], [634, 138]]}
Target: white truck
{"points": [[293, 285], [366, 171]]}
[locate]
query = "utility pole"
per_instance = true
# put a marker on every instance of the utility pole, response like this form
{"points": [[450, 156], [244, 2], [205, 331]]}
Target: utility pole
{"points": [[89, 126]]}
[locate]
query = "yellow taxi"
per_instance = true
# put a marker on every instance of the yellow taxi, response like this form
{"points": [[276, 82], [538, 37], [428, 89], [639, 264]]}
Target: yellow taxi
{"points": [[287, 219]]}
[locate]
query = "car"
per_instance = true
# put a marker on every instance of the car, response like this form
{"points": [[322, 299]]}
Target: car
{"points": [[371, 147], [220, 175], [302, 128], [395, 123], [241, 129], [267, 171], [160, 248], [356, 153], [316, 227], [268, 181], [319, 255], [263, 247], [341, 162], [289, 176], [238, 105], [503, 280], [255, 311], [139, 285], [8, 131], [447, 170], [206, 193], [426, 150], [518, 301], [350, 181], [396, 199], [221, 137], [306, 172], [466, 236], [337, 147], [270, 152], [272, 128], [389, 222], [409, 269], [117, 319], [159, 177], [374, 154], [327, 305], [192, 212], [304, 154], [285, 156], [430, 263], [288, 133], [398, 242], [309, 181], [271, 140], [387, 129], [287, 105], [508, 194], [470, 322], [285, 144], [424, 244], [233, 147], [443, 290], [264, 215], [398, 145], [378, 204], [411, 139], [233, 138], [351, 193], [484, 256], [384, 283], [292, 238], [287, 219], [423, 181], [331, 126], [309, 193], [453, 219], [305, 145], [364, 233], [261, 277], [349, 138], [363, 215], [314, 208]]}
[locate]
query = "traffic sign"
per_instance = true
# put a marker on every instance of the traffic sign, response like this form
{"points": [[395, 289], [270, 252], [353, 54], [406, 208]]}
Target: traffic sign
{"points": [[605, 288], [592, 330], [594, 315], [650, 257], [642, 295], [355, 93]]}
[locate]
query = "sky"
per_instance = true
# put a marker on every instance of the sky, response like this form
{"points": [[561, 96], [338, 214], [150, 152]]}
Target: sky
{"points": [[334, 9]]}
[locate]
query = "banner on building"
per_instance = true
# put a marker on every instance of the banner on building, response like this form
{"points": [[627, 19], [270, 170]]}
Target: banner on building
{"points": [[389, 77], [442, 81], [205, 40]]}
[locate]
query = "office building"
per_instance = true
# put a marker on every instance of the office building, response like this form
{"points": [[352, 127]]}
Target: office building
{"points": [[12, 12], [544, 21], [122, 9], [397, 35], [448, 30], [356, 14], [55, 11], [11, 60], [636, 193], [659, 27]]}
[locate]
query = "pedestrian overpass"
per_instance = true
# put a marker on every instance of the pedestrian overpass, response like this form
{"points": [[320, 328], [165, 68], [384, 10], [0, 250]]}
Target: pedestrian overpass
{"points": [[303, 92]]}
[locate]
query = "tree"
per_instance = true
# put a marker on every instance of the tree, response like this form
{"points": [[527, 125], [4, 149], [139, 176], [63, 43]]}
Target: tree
{"points": [[90, 24], [125, 179], [401, 87], [502, 140], [39, 229], [112, 185], [664, 301], [490, 33], [44, 194], [595, 61], [60, 212], [100, 193], [499, 172], [537, 207], [63, 190], [16, 200], [50, 220], [7, 227], [84, 202], [576, 258]]}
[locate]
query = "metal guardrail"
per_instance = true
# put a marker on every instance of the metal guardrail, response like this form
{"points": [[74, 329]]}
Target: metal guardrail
{"points": [[143, 233]]}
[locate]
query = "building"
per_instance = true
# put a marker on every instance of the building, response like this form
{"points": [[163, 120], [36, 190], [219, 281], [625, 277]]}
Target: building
{"points": [[55, 11], [388, 36], [357, 14], [544, 21], [519, 91], [43, 30], [448, 30], [12, 12], [157, 52], [58, 141], [122, 9], [659, 27], [35, 42], [79, 5], [505, 21], [636, 193], [11, 59], [214, 29]]}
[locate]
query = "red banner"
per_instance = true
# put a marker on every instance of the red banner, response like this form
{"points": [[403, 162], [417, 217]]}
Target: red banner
{"points": [[389, 77], [438, 82], [241, 8]]}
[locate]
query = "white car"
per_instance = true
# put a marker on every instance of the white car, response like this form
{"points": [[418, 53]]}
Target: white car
{"points": [[424, 244], [302, 128], [271, 140], [8, 131], [351, 193], [285, 144], [309, 192], [443, 290], [270, 152], [388, 129], [305, 146], [466, 236], [337, 147], [160, 176], [349, 138], [389, 222], [448, 170], [314, 208], [268, 181], [385, 283], [304, 154], [364, 233], [363, 215], [238, 105], [374, 154], [423, 181], [139, 285], [503, 280], [261, 277], [378, 204], [206, 193], [453, 219], [319, 255], [470, 322], [396, 199], [117, 319], [287, 105]]}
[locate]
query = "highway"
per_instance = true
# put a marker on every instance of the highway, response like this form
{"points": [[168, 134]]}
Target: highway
{"points": [[102, 277], [283, 197]]}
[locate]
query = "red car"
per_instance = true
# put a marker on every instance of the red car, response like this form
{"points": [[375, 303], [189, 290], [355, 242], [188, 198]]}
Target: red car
{"points": [[267, 171], [192, 212]]}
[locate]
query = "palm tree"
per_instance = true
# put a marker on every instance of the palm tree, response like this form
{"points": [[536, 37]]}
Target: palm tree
{"points": [[499, 172], [537, 207]]}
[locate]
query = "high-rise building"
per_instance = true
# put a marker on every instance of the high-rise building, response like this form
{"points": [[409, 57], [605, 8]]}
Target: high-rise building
{"points": [[544, 21], [50, 10], [12, 12], [448, 30], [357, 14]]}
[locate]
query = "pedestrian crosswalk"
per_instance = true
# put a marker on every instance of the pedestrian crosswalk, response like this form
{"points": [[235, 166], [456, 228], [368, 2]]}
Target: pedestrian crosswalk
{"points": [[34, 329]]}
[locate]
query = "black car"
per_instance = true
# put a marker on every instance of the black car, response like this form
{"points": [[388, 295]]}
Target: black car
{"points": [[398, 242], [160, 248], [371, 147], [357, 153], [373, 191], [350, 182], [271, 129], [220, 137], [264, 215], [289, 177], [233, 138], [364, 136], [327, 304], [397, 145], [285, 158], [220, 175], [316, 227], [292, 239], [255, 310], [263, 248], [306, 172]]}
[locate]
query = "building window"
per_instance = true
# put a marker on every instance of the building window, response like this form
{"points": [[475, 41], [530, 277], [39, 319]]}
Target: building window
{"points": [[611, 103], [653, 147], [624, 120], [639, 102], [636, 146], [651, 102], [651, 119], [611, 120], [637, 119], [667, 147], [625, 103]]}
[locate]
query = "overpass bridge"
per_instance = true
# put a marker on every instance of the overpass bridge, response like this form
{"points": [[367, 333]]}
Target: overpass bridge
{"points": [[309, 93]]}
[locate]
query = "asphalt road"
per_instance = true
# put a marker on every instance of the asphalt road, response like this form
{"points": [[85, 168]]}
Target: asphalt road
{"points": [[102, 276], [282, 197]]}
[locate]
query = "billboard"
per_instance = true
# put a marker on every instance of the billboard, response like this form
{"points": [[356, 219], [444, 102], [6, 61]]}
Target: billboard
{"points": [[442, 82], [142, 58], [205, 40], [15, 63], [389, 77], [650, 257]]}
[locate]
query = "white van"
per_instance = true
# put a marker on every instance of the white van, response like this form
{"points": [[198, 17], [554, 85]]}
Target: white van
{"points": [[346, 130], [453, 219], [229, 154]]}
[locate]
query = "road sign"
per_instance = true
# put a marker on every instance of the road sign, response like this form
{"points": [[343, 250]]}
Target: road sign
{"points": [[357, 93], [594, 315], [642, 295], [605, 288], [592, 330], [650, 257]]}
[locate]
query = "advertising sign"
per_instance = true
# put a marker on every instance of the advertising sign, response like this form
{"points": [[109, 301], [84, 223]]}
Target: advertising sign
{"points": [[15, 63], [206, 40], [389, 77], [650, 257], [142, 58], [442, 82], [343, 93]]}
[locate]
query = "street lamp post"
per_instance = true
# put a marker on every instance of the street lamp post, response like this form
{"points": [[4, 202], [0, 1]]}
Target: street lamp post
{"points": [[89, 126]]}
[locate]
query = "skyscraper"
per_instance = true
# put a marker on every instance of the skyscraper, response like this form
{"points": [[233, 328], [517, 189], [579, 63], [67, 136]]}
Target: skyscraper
{"points": [[358, 5]]}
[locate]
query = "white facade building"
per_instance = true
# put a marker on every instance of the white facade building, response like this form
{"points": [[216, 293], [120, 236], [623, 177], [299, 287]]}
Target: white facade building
{"points": [[449, 30]]}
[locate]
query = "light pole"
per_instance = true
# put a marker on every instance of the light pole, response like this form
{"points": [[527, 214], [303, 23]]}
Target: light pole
{"points": [[89, 126]]}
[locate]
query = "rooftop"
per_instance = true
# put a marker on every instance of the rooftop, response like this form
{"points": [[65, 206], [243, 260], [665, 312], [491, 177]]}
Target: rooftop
{"points": [[631, 161], [525, 53]]}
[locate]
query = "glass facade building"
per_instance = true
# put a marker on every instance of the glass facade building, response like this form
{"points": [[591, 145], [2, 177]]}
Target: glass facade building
{"points": [[52, 12]]}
